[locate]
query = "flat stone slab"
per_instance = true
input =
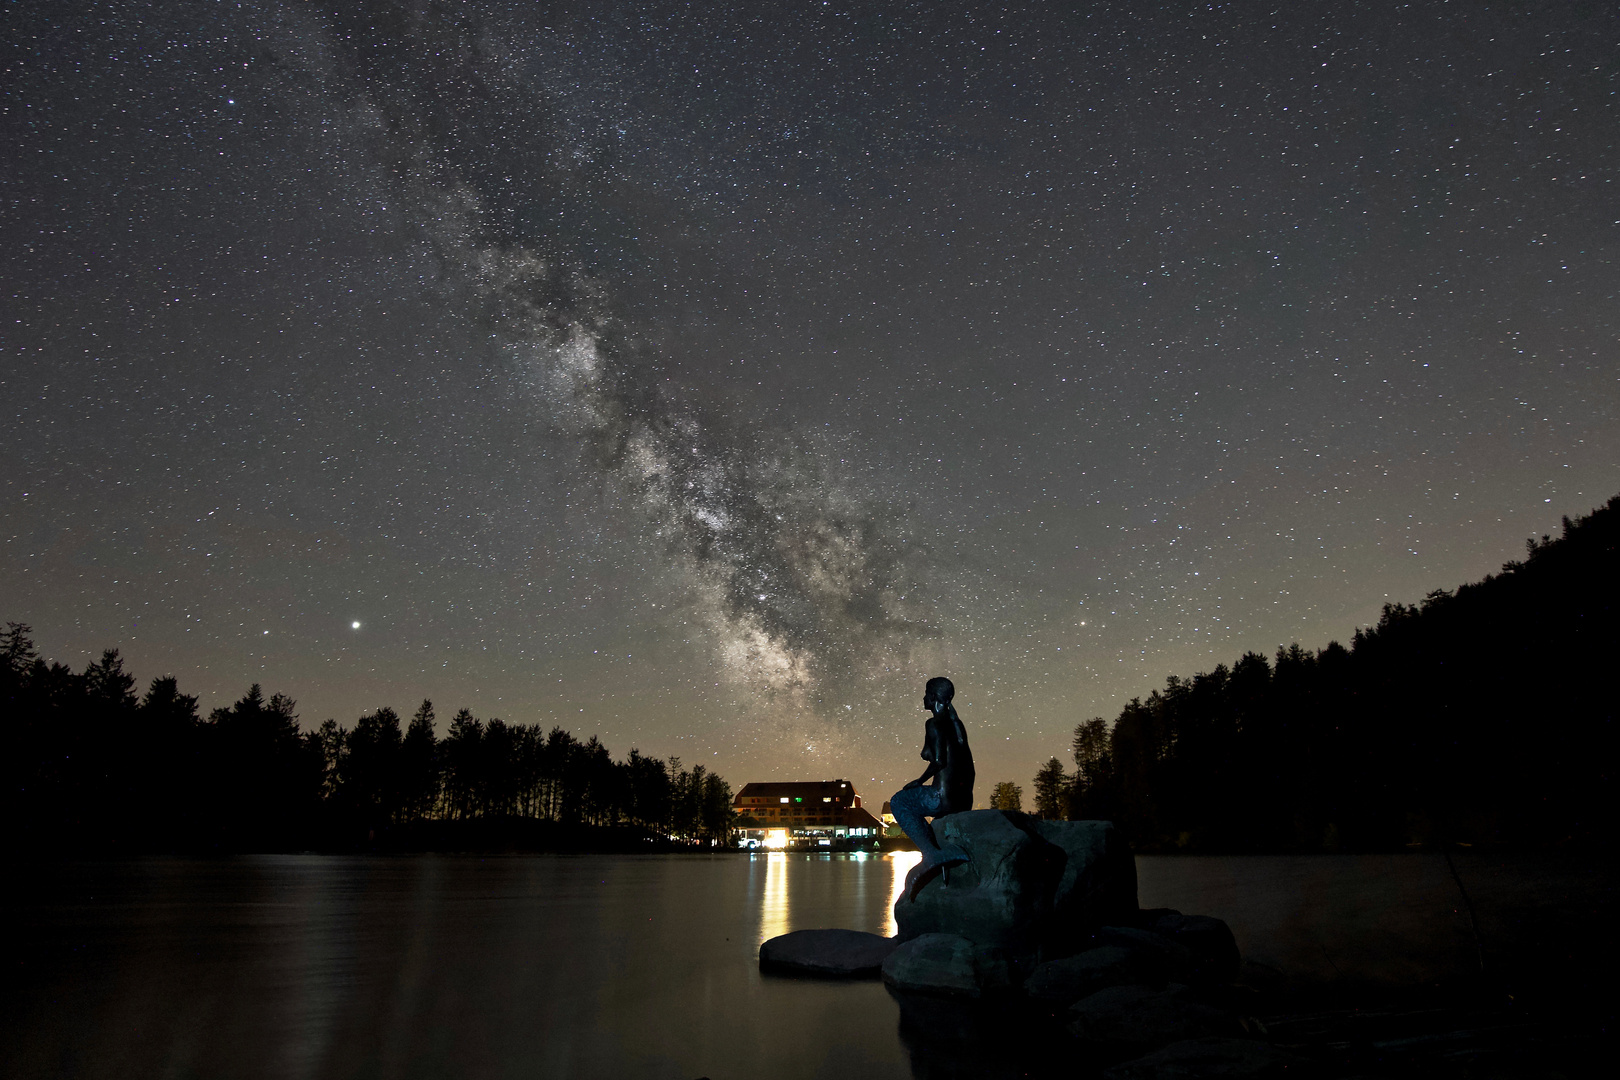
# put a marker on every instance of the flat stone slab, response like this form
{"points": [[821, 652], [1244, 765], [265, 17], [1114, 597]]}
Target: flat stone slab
{"points": [[1208, 1059], [829, 954]]}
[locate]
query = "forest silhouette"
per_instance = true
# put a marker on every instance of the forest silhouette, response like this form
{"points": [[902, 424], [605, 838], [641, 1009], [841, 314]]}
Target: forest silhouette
{"points": [[91, 767], [1480, 716]]}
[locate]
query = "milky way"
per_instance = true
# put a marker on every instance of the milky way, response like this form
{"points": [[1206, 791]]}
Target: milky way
{"points": [[798, 578], [707, 377]]}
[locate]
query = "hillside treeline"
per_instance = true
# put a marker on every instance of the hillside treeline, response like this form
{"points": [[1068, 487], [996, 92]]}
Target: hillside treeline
{"points": [[92, 766], [1484, 715]]}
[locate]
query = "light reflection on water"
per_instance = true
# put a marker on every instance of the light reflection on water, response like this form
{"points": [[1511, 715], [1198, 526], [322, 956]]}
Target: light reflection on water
{"points": [[901, 863], [811, 890], [774, 908]]}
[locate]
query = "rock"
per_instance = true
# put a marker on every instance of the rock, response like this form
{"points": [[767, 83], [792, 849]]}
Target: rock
{"points": [[1136, 1018], [1211, 1058], [1119, 956], [849, 954], [1027, 883], [1058, 984], [1214, 950], [946, 964], [1146, 917], [1177, 961]]}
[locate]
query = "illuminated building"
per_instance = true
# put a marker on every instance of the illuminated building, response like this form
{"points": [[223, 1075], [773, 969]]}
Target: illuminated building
{"points": [[804, 814]]}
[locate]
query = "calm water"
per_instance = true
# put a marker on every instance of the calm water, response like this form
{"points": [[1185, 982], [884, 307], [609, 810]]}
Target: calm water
{"points": [[607, 966]]}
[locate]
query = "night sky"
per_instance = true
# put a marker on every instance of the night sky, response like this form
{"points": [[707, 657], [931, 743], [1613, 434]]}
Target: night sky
{"points": [[706, 376]]}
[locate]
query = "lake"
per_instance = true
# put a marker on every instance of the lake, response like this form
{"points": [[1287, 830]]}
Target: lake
{"points": [[622, 966]]}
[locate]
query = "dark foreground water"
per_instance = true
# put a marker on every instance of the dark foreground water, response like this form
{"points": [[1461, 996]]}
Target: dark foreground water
{"points": [[621, 966]]}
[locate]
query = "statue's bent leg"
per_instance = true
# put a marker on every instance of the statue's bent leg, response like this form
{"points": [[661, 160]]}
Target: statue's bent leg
{"points": [[911, 808]]}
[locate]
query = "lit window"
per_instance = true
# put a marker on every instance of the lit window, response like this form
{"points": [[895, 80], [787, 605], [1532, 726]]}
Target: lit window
{"points": [[826, 798], [784, 798]]}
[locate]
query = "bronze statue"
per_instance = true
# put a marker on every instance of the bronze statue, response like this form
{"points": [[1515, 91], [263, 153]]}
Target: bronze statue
{"points": [[950, 766]]}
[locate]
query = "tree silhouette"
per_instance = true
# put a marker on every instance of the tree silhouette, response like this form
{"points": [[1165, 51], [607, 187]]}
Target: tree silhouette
{"points": [[372, 771], [419, 767], [1051, 791], [1007, 796], [262, 778]]}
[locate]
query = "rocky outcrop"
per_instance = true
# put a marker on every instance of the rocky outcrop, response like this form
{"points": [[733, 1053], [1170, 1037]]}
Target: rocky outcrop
{"points": [[1041, 921], [847, 954], [1028, 886], [946, 964]]}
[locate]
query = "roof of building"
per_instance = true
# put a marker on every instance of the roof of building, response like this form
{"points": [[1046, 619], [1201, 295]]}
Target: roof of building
{"points": [[858, 815], [804, 789]]}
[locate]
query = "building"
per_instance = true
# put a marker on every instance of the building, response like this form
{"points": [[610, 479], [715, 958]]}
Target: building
{"points": [[803, 813]]}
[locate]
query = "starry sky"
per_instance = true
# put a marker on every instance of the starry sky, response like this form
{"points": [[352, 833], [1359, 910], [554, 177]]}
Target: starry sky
{"points": [[706, 376]]}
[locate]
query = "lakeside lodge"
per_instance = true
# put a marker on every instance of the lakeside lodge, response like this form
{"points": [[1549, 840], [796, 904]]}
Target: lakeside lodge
{"points": [[804, 814]]}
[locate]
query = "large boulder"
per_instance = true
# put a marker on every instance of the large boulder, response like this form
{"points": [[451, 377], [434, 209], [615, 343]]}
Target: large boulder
{"points": [[1137, 1018], [946, 964], [1028, 886], [848, 954], [1209, 1059]]}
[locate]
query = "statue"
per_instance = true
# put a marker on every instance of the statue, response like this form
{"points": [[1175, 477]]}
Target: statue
{"points": [[950, 766]]}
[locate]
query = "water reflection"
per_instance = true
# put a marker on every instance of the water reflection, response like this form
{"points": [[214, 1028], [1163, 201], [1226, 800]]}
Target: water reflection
{"points": [[900, 864], [774, 906]]}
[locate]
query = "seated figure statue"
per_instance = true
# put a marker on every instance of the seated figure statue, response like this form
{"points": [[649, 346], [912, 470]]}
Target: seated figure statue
{"points": [[950, 767]]}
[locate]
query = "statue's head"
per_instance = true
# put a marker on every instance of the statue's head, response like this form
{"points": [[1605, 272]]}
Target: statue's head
{"points": [[938, 693]]}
